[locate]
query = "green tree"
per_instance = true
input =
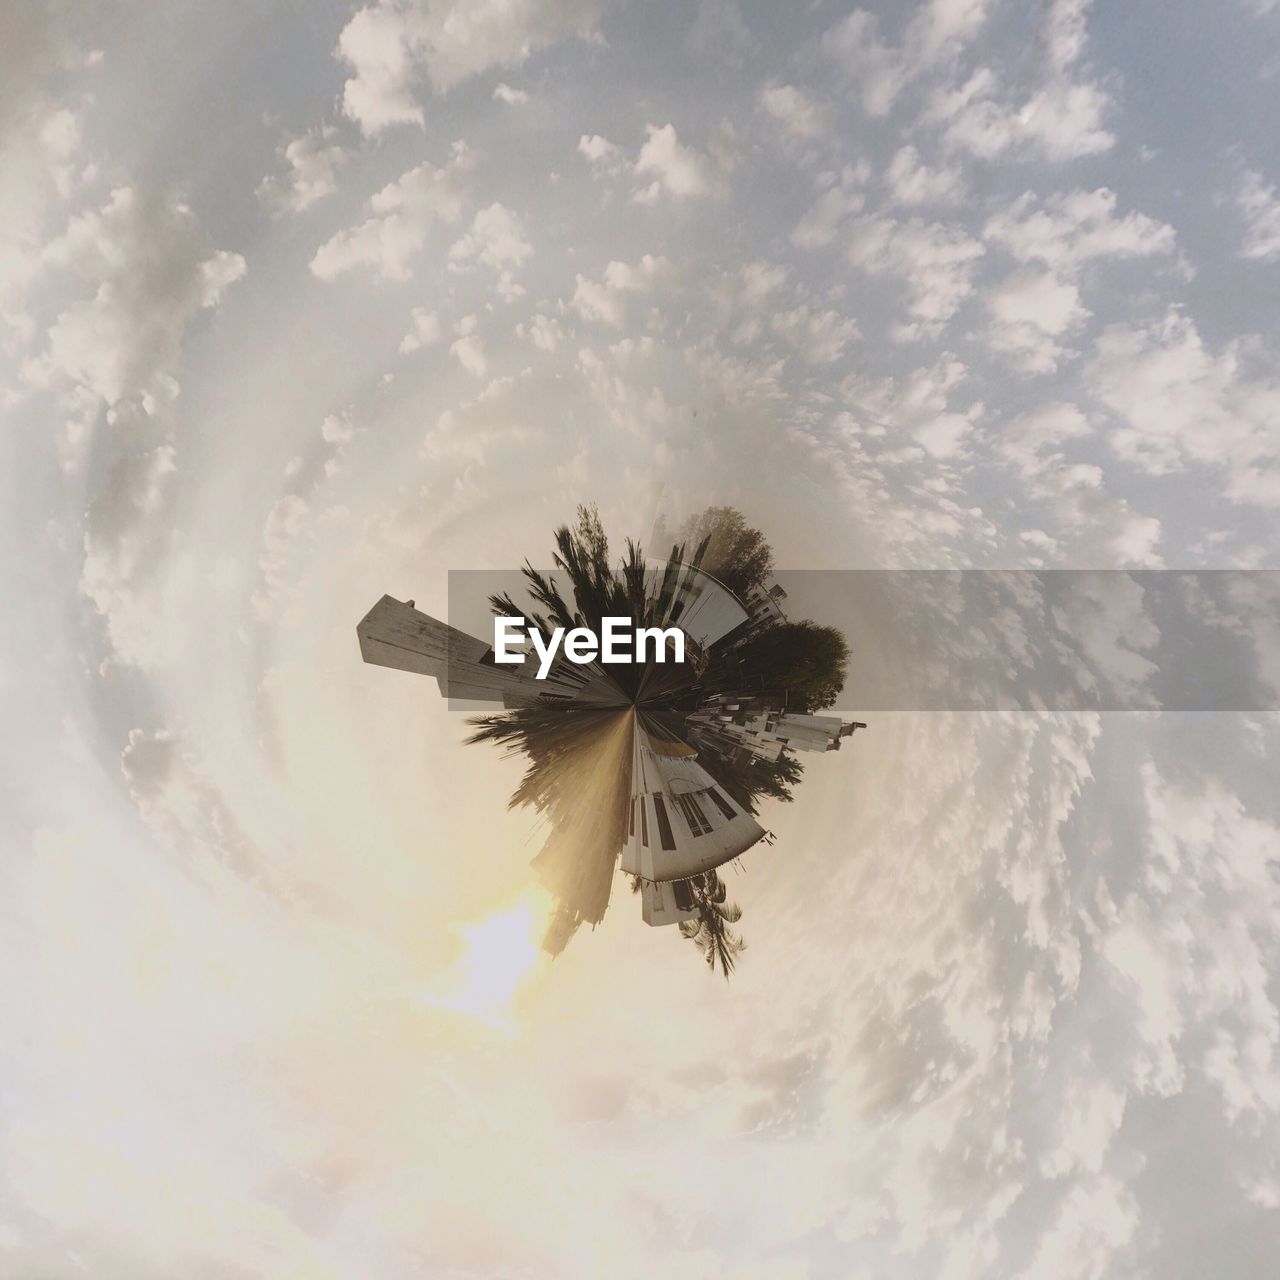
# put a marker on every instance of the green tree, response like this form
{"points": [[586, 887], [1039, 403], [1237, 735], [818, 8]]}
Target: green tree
{"points": [[736, 554], [710, 930], [807, 660]]}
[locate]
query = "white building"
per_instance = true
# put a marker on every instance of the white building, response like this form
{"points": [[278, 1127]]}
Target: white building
{"points": [[681, 823], [701, 605], [394, 634], [762, 725], [666, 902], [764, 606]]}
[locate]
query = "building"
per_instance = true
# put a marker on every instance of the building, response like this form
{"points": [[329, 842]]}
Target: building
{"points": [[764, 606], [761, 725], [692, 599], [680, 824], [395, 634], [666, 902]]}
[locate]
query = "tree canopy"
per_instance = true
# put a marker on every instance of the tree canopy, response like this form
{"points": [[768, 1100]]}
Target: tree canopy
{"points": [[736, 553], [806, 659]]}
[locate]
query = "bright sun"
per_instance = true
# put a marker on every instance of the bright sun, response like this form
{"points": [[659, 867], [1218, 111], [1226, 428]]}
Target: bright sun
{"points": [[500, 950]]}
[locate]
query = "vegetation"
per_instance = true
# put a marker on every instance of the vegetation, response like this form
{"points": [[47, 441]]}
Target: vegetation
{"points": [[736, 554], [710, 930], [579, 770], [806, 660]]}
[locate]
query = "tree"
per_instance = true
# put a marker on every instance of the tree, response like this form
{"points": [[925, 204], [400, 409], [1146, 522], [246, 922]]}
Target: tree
{"points": [[807, 660], [746, 777], [710, 929], [579, 752], [736, 554]]}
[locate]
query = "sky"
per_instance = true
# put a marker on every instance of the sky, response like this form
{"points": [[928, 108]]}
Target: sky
{"points": [[305, 303]]}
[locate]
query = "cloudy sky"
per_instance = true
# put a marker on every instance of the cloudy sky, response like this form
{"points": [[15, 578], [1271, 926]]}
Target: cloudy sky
{"points": [[305, 302]]}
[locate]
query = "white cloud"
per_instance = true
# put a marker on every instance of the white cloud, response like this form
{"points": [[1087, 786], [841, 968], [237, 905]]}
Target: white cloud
{"points": [[601, 154], [819, 337], [744, 299], [1092, 1113], [400, 216], [664, 166], [1191, 942], [1066, 231], [133, 273], [42, 156], [467, 348], [842, 197], [122, 542], [375, 45], [1034, 309], [177, 800], [759, 280], [1058, 117], [916, 410], [424, 331], [284, 525], [1259, 206], [152, 273], [312, 162], [1091, 524], [1176, 403], [543, 331], [1061, 120], [675, 169], [496, 239], [511, 96], [935, 262], [1094, 1222], [1065, 31], [1031, 311], [605, 299], [336, 429], [1033, 438], [911, 183], [798, 113], [392, 44], [939, 31]]}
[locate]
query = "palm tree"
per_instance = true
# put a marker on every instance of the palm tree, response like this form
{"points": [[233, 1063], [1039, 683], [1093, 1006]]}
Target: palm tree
{"points": [[578, 776], [710, 930]]}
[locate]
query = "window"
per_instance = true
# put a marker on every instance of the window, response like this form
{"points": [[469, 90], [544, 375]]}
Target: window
{"points": [[644, 824], [633, 815], [664, 823], [690, 821], [692, 813], [696, 805], [721, 803]]}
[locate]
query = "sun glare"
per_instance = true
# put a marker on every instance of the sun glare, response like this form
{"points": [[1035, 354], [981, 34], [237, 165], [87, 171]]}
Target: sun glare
{"points": [[499, 952]]}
